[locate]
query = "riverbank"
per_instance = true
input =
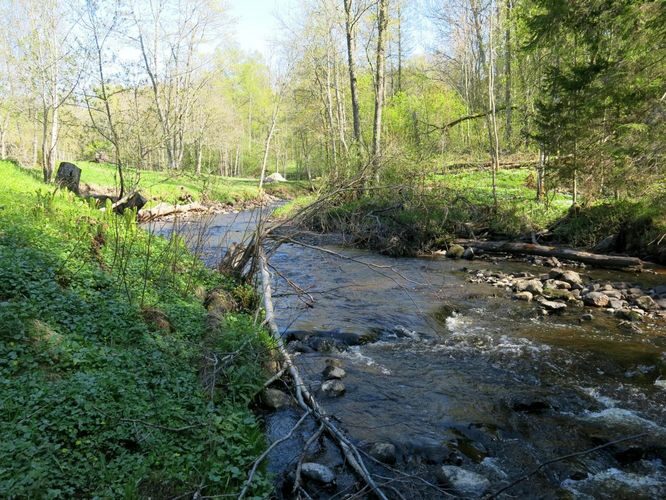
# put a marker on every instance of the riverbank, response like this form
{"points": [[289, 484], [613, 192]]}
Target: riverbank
{"points": [[106, 338], [400, 221]]}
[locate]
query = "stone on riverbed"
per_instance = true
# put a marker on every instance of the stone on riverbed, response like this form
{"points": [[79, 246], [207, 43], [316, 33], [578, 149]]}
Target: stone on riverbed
{"points": [[587, 317], [647, 303], [384, 452], [455, 252], [533, 286], [551, 305], [596, 299], [571, 277], [333, 372], [468, 253], [318, 473], [275, 399], [465, 482], [527, 296], [333, 388]]}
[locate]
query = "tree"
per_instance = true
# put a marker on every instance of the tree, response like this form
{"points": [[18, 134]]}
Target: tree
{"points": [[380, 80]]}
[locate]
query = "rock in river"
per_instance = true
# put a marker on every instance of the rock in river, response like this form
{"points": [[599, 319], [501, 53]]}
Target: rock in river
{"points": [[596, 299], [523, 296], [571, 277], [275, 399], [465, 482], [333, 372], [468, 253], [318, 473], [551, 305], [333, 388], [455, 252], [533, 286], [384, 452]]}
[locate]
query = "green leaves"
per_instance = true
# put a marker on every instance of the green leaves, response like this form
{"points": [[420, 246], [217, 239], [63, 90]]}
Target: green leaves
{"points": [[91, 396]]}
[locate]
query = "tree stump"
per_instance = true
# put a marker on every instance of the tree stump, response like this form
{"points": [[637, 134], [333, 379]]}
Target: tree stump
{"points": [[68, 176]]}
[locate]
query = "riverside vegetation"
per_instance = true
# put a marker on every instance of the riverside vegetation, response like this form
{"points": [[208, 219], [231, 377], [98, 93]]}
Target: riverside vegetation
{"points": [[103, 333]]}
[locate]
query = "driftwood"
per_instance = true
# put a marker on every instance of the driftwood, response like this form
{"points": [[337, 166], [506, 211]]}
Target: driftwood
{"points": [[164, 209], [304, 397], [606, 261]]}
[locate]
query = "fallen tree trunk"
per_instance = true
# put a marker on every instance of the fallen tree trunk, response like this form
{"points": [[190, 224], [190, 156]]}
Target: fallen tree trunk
{"points": [[607, 261], [304, 397], [164, 209]]}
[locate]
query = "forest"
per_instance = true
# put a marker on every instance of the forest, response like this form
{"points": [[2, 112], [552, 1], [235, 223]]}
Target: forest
{"points": [[133, 366]]}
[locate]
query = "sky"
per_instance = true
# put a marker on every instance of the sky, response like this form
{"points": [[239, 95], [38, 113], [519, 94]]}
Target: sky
{"points": [[255, 22]]}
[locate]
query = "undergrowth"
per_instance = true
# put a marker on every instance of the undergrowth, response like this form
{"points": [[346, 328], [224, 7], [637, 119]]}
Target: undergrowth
{"points": [[102, 329], [405, 221]]}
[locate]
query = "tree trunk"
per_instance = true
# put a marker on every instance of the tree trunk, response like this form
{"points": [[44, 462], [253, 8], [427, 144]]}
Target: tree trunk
{"points": [[350, 23], [382, 24], [267, 144], [507, 72], [607, 261]]}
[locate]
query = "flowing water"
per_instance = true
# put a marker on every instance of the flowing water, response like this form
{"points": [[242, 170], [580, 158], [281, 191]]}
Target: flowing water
{"points": [[458, 373]]}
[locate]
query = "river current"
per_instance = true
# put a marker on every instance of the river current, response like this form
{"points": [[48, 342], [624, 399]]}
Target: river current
{"points": [[453, 372]]}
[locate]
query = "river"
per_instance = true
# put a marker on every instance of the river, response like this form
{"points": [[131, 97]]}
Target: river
{"points": [[453, 372]]}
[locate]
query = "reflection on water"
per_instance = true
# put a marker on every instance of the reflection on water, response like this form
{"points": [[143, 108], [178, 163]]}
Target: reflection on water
{"points": [[460, 368]]}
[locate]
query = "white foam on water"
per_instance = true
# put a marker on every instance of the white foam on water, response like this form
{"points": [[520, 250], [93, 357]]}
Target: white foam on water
{"points": [[620, 416], [650, 484], [594, 393], [354, 354], [492, 463]]}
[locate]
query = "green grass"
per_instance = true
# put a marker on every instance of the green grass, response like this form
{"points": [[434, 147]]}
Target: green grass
{"points": [[515, 193], [169, 187], [97, 398]]}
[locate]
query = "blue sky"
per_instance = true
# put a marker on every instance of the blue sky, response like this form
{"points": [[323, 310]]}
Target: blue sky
{"points": [[255, 23]]}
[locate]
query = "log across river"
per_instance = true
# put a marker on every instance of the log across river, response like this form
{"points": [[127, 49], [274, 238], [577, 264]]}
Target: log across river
{"points": [[456, 373]]}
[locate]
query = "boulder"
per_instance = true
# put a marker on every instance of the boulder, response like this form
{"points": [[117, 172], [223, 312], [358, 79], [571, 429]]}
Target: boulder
{"points": [[551, 305], [558, 294], [465, 482], [571, 277], [596, 299], [275, 399], [608, 244], [455, 252], [68, 176], [333, 388], [661, 303], [559, 284], [612, 293], [333, 372], [587, 317], [384, 452], [616, 303], [527, 296], [274, 177], [533, 286], [318, 473], [647, 303], [468, 253]]}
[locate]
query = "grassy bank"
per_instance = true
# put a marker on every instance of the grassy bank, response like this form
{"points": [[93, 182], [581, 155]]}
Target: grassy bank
{"points": [[172, 186], [460, 204], [102, 339]]}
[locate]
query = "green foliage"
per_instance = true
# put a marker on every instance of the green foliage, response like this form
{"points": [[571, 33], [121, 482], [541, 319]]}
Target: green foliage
{"points": [[97, 401]]}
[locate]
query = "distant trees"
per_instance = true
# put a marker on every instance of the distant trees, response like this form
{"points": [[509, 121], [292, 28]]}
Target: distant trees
{"points": [[578, 85]]}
